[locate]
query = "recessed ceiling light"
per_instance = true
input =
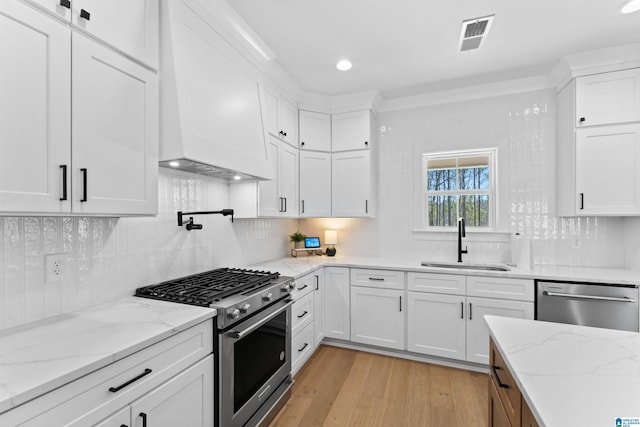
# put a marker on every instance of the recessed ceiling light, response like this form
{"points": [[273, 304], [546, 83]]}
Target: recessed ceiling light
{"points": [[237, 177], [344, 65], [174, 164], [631, 6]]}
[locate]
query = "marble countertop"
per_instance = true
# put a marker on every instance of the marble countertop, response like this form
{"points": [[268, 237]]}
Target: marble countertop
{"points": [[571, 375], [302, 265], [42, 356]]}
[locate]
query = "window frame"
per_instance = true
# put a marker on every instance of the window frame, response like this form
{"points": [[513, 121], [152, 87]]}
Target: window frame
{"points": [[492, 191]]}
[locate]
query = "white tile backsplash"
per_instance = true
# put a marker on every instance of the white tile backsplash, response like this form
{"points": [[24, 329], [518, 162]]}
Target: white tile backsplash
{"points": [[107, 258]]}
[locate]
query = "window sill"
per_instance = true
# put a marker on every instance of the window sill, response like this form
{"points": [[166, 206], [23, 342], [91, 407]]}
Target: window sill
{"points": [[471, 235]]}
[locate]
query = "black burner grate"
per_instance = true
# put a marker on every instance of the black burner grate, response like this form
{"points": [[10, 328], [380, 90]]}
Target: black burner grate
{"points": [[206, 288]]}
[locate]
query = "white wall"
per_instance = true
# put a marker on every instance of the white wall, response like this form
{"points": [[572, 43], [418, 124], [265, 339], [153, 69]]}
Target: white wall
{"points": [[107, 258], [522, 127]]}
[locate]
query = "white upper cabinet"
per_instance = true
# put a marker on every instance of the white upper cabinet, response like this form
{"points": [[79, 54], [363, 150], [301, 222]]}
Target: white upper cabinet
{"points": [[35, 106], [351, 131], [129, 26], [315, 131], [607, 172], [64, 93], [608, 98], [280, 117], [279, 197], [315, 184], [115, 143], [351, 184]]}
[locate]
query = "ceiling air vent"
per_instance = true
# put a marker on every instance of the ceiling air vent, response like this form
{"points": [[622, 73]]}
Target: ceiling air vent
{"points": [[473, 32]]}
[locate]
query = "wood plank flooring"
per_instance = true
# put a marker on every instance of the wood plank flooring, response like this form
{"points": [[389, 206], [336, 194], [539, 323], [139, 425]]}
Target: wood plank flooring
{"points": [[342, 387]]}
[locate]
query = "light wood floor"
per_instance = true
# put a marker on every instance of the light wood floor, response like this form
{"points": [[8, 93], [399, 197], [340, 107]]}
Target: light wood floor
{"points": [[341, 387]]}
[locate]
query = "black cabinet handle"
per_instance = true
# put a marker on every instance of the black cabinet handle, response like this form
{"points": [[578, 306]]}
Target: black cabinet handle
{"points": [[400, 302], [84, 184], [462, 310], [65, 3], [303, 347], [377, 279], [64, 182], [280, 209], [85, 15], [495, 374], [302, 287], [303, 206], [366, 143], [581, 201], [131, 381], [300, 316], [470, 311], [123, 425], [302, 144], [284, 133], [317, 282], [582, 119], [285, 204], [144, 419], [366, 206]]}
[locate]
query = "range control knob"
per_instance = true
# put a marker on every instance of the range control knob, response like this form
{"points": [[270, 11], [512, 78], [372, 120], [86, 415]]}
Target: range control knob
{"points": [[244, 307], [286, 287], [234, 314], [267, 297]]}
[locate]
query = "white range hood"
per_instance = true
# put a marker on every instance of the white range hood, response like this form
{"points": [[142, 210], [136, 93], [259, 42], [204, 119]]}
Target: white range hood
{"points": [[211, 115]]}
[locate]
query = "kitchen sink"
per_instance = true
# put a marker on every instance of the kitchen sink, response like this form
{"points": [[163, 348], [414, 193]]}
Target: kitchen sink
{"points": [[465, 266]]}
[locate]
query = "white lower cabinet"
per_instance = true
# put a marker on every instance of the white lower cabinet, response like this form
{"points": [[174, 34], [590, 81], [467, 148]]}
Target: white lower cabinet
{"points": [[337, 317], [318, 307], [377, 317], [169, 383], [302, 321], [302, 348]]}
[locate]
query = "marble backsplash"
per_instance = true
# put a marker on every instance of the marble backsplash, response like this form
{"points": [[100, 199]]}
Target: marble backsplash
{"points": [[107, 258]]}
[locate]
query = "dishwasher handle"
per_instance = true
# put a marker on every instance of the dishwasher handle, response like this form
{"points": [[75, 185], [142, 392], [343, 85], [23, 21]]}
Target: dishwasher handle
{"points": [[591, 297]]}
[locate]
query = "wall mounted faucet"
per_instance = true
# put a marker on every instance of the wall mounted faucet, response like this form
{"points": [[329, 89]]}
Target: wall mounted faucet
{"points": [[461, 234]]}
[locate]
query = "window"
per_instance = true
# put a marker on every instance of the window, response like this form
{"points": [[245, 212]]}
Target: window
{"points": [[459, 184]]}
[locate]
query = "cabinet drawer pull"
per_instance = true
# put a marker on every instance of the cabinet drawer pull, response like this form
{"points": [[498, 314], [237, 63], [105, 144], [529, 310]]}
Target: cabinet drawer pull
{"points": [[65, 3], [85, 15], [317, 282], [303, 347], [300, 316], [144, 419], [301, 288], [64, 182], [377, 279], [131, 381], [495, 370], [84, 184]]}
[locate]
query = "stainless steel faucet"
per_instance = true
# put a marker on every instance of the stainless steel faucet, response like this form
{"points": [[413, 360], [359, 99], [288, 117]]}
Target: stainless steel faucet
{"points": [[461, 234]]}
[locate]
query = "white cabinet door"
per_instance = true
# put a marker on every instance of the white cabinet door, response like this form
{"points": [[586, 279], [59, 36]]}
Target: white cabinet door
{"points": [[351, 131], [377, 317], [114, 131], [35, 111], [336, 303], [477, 331], [350, 182], [302, 313], [318, 307], [270, 111], [607, 172], [184, 400], [315, 184], [288, 120], [289, 180], [302, 348], [130, 26], [269, 202], [119, 419], [315, 131], [436, 325], [608, 98]]}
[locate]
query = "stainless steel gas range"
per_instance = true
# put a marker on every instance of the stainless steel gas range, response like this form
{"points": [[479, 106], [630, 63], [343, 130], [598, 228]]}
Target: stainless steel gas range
{"points": [[252, 338]]}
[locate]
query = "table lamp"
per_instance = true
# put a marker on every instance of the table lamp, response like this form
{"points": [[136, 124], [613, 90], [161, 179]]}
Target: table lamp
{"points": [[330, 238]]}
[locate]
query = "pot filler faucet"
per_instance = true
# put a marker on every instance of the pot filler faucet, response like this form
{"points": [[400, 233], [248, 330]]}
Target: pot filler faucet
{"points": [[461, 234]]}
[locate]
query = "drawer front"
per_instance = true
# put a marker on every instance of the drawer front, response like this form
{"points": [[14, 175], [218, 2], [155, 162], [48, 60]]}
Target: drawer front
{"points": [[88, 399], [303, 286], [302, 348], [437, 283], [301, 313], [372, 278], [506, 386], [501, 287]]}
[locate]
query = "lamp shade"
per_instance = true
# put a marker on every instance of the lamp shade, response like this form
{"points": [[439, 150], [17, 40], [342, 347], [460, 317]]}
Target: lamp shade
{"points": [[330, 237]]}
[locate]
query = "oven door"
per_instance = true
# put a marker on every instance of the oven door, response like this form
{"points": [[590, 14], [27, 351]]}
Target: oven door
{"points": [[255, 360]]}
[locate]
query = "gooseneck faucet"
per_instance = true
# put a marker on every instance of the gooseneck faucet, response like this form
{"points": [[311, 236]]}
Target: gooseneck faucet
{"points": [[461, 234]]}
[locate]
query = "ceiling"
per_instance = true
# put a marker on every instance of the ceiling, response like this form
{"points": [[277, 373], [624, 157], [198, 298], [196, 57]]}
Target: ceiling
{"points": [[405, 47]]}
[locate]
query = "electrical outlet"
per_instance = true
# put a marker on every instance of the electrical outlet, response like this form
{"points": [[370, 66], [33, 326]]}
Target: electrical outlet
{"points": [[576, 242], [55, 267]]}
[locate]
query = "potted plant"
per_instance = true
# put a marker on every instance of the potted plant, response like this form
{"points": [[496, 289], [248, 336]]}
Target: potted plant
{"points": [[297, 238]]}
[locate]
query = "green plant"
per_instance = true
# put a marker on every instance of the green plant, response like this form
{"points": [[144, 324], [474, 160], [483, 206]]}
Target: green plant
{"points": [[297, 237]]}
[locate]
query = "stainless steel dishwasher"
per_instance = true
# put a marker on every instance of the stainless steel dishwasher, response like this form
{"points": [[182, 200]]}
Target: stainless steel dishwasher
{"points": [[589, 304]]}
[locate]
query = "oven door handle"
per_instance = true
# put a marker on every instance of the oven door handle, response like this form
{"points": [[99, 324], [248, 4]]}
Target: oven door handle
{"points": [[241, 334], [593, 297]]}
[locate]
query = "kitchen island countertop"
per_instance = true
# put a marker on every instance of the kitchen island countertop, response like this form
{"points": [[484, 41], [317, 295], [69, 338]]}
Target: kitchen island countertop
{"points": [[571, 375], [301, 265], [41, 356]]}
